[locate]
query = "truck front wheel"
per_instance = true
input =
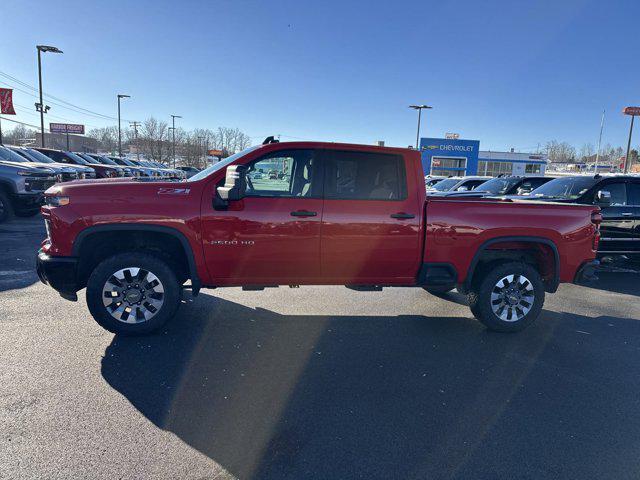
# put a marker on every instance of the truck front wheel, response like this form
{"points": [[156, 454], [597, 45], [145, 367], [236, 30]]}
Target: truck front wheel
{"points": [[508, 298], [6, 208], [132, 293]]}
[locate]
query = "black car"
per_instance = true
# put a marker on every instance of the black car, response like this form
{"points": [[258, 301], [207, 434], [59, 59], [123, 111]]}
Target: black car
{"points": [[619, 198], [511, 185]]}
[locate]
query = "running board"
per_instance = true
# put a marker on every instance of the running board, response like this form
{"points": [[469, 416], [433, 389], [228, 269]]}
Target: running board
{"points": [[365, 288]]}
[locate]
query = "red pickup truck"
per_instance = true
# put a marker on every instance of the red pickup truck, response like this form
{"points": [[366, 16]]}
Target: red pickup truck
{"points": [[336, 214]]}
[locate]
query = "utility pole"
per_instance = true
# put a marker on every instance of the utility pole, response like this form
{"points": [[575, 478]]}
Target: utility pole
{"points": [[135, 126], [627, 159], [120, 96], [599, 141], [173, 129]]}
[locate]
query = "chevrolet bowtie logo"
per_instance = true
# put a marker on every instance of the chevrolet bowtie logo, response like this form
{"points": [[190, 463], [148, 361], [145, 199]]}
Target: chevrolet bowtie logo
{"points": [[431, 147]]}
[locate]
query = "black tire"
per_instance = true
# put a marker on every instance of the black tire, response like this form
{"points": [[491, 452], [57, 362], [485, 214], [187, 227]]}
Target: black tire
{"points": [[105, 271], [6, 208], [517, 317], [438, 290]]}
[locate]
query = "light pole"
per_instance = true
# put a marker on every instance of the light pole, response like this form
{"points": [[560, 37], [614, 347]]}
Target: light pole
{"points": [[200, 145], [40, 106], [120, 96], [173, 131], [419, 108]]}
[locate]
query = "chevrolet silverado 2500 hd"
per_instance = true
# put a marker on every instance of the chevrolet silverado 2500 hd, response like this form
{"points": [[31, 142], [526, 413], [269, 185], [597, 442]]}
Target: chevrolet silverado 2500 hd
{"points": [[335, 214]]}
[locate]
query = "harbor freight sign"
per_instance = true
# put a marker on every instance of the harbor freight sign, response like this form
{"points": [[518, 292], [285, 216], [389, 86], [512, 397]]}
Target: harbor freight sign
{"points": [[631, 111], [66, 128]]}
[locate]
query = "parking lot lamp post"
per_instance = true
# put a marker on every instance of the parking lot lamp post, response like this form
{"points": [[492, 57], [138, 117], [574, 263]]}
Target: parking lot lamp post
{"points": [[40, 106], [173, 130], [419, 108], [120, 96]]}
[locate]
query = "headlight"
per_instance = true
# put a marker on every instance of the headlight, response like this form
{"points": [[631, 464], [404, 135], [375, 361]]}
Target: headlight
{"points": [[110, 173], [57, 201], [25, 173]]}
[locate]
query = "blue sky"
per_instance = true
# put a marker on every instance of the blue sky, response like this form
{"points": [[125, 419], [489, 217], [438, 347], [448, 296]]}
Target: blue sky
{"points": [[508, 73]]}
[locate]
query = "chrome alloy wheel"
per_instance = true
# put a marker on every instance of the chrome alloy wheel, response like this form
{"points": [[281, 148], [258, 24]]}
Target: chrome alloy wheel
{"points": [[133, 295], [512, 297]]}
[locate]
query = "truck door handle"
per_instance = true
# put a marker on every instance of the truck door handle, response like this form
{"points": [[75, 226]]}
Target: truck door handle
{"points": [[402, 215], [303, 213], [627, 214]]}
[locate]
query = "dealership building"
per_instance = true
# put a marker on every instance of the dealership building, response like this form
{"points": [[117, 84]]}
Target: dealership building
{"points": [[458, 157]]}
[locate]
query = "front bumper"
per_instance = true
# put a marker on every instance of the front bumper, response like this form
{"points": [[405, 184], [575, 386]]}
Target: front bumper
{"points": [[587, 272], [60, 273]]}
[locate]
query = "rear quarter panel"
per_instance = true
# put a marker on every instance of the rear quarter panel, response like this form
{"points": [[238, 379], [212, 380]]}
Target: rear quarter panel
{"points": [[456, 230]]}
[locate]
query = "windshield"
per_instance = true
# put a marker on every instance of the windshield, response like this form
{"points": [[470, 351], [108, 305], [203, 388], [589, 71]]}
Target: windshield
{"points": [[6, 154], [106, 160], [568, 188], [497, 186], [446, 184], [222, 164], [76, 158], [38, 156]]}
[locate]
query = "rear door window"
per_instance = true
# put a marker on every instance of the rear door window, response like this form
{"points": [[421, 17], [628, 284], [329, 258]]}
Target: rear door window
{"points": [[365, 176], [633, 194]]}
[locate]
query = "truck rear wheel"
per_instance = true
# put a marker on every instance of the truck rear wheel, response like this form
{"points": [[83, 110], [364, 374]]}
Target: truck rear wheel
{"points": [[132, 293], [508, 298]]}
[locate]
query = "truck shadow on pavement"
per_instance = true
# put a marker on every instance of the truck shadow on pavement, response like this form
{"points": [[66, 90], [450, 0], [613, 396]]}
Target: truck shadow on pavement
{"points": [[19, 243], [295, 396]]}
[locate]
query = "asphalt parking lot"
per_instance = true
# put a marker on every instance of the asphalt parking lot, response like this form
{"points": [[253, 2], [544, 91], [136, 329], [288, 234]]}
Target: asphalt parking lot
{"points": [[317, 383]]}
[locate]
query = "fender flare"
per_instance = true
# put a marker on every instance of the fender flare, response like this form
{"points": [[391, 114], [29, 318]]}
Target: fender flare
{"points": [[552, 286], [188, 250]]}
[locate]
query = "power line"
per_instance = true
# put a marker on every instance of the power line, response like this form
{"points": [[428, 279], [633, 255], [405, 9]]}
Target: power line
{"points": [[22, 123], [67, 105]]}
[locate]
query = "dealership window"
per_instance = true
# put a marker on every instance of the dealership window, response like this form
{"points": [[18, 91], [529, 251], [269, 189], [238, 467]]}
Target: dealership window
{"points": [[365, 176], [532, 168], [493, 169], [448, 166]]}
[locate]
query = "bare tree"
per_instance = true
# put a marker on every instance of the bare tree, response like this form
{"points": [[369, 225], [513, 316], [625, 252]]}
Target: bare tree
{"points": [[586, 151], [560, 152], [106, 136], [20, 135]]}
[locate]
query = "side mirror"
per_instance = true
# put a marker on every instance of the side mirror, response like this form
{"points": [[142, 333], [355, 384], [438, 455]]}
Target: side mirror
{"points": [[235, 185], [603, 197]]}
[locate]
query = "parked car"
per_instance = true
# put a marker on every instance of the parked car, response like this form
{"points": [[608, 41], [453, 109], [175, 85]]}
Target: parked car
{"points": [[367, 225], [457, 184], [93, 158], [508, 185], [431, 180], [61, 156], [136, 170], [22, 185], [618, 197], [61, 172], [81, 172], [189, 171], [145, 170]]}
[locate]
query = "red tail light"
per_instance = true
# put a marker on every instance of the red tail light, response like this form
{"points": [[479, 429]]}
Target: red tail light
{"points": [[596, 219]]}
